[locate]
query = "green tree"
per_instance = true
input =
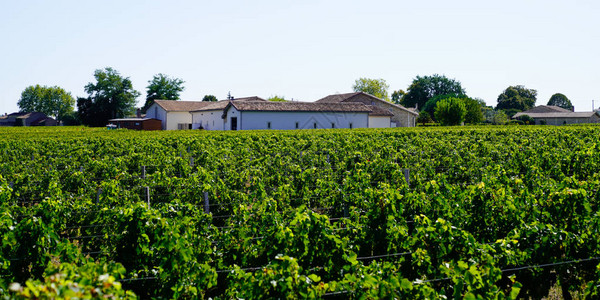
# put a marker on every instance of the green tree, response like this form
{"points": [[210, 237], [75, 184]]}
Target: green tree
{"points": [[210, 98], [431, 103], [426, 87], [424, 117], [450, 111], [527, 120], [474, 109], [162, 87], [496, 117], [376, 87], [561, 100], [397, 96], [277, 99], [517, 97], [53, 101], [112, 96]]}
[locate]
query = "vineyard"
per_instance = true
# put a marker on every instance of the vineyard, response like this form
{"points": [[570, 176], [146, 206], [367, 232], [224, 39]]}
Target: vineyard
{"points": [[419, 213]]}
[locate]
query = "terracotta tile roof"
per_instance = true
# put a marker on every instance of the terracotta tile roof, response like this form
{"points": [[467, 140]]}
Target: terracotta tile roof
{"points": [[221, 104], [547, 109], [568, 114], [348, 97], [301, 106], [178, 105], [379, 111], [337, 98], [253, 98]]}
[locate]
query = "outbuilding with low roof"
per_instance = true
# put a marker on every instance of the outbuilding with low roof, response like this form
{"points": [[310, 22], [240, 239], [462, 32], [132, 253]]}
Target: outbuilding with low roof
{"points": [[401, 116], [554, 115]]}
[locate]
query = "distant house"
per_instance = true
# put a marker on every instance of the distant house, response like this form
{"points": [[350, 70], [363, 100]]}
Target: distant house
{"points": [[174, 114], [27, 119], [401, 116], [137, 123], [257, 113], [554, 115], [210, 116], [248, 115]]}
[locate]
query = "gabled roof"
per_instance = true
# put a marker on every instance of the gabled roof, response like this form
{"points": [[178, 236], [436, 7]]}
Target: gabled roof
{"points": [[337, 98], [253, 99], [178, 105], [547, 109], [569, 114], [379, 111], [299, 106], [220, 105], [350, 97]]}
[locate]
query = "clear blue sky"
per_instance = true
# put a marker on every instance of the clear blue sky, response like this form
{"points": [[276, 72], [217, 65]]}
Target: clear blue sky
{"points": [[303, 50]]}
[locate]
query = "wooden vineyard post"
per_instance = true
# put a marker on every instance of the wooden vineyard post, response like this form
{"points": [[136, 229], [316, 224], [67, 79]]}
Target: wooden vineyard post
{"points": [[147, 195], [143, 172], [98, 195], [407, 176], [206, 204]]}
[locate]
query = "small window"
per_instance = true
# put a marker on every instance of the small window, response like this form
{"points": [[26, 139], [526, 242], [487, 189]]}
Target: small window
{"points": [[332, 125], [268, 125], [137, 124], [315, 125], [297, 125], [350, 125]]}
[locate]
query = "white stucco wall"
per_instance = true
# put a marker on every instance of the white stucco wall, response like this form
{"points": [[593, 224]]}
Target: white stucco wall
{"points": [[157, 112], [210, 120], [379, 122], [250, 120], [176, 117]]}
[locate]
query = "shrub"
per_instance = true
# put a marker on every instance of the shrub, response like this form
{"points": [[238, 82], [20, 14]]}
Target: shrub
{"points": [[450, 111]]}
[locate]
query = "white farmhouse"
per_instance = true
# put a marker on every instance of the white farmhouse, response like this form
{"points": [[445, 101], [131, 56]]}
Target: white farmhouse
{"points": [[256, 113], [248, 115], [174, 114], [210, 117]]}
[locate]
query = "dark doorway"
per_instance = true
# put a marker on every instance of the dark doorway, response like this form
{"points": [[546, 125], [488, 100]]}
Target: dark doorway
{"points": [[233, 123]]}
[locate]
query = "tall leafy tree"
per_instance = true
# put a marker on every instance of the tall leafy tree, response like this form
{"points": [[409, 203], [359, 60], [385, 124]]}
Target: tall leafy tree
{"points": [[424, 117], [474, 108], [424, 88], [210, 98], [53, 101], [561, 100], [450, 111], [517, 98], [397, 96], [376, 87], [163, 87], [432, 102], [111, 96]]}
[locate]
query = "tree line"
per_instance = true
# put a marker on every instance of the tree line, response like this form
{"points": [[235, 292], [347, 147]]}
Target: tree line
{"points": [[438, 98], [110, 96], [444, 100]]}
